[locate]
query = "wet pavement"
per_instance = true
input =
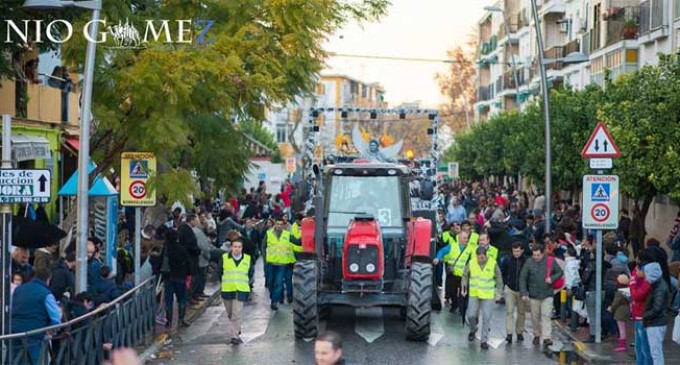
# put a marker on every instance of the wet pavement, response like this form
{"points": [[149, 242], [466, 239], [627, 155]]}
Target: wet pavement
{"points": [[370, 336]]}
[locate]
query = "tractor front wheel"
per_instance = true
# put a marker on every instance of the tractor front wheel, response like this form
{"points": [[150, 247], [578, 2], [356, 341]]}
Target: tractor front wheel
{"points": [[305, 308], [419, 306]]}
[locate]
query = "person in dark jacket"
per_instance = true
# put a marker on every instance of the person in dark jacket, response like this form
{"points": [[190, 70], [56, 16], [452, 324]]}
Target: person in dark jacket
{"points": [[511, 269], [93, 266], [63, 278], [107, 290], [175, 277], [33, 307], [590, 283], [251, 239], [654, 315], [187, 238]]}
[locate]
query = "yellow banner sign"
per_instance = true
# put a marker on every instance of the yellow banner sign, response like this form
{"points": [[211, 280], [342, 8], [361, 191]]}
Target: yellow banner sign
{"points": [[136, 169]]}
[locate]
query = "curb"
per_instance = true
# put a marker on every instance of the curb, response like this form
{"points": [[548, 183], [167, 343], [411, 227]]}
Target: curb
{"points": [[581, 348], [153, 349], [160, 339]]}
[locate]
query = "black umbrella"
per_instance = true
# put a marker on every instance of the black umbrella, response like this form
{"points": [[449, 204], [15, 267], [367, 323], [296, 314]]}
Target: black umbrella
{"points": [[32, 234]]}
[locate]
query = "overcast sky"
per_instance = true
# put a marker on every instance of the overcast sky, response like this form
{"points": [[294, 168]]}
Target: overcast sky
{"points": [[412, 29]]}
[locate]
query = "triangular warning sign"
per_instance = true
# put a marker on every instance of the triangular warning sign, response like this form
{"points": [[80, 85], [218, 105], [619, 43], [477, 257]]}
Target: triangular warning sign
{"points": [[600, 193], [600, 144], [137, 169]]}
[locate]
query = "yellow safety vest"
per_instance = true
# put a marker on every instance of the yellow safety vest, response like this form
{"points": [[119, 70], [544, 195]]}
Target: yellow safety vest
{"points": [[279, 250], [448, 238], [235, 278], [295, 230], [482, 283], [450, 259], [474, 238]]}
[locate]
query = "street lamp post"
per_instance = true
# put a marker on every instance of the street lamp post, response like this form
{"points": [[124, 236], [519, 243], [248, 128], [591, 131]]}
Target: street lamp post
{"points": [[546, 113], [85, 116]]}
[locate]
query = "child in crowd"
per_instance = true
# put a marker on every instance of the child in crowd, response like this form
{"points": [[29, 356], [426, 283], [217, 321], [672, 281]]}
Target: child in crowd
{"points": [[620, 308]]}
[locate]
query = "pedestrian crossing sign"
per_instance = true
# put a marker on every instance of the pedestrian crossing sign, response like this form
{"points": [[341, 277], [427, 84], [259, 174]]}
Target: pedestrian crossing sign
{"points": [[600, 192], [139, 169]]}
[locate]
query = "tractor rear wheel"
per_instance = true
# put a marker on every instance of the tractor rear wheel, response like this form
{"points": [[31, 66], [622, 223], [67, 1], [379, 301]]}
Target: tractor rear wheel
{"points": [[305, 308], [419, 306]]}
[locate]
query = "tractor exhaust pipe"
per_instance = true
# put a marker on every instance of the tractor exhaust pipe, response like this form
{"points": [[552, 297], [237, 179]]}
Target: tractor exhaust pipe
{"points": [[318, 211]]}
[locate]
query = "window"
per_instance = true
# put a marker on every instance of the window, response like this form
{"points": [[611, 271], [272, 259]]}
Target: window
{"points": [[281, 132], [378, 196]]}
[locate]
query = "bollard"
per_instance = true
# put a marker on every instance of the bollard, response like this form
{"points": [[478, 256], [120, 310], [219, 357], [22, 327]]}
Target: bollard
{"points": [[563, 305]]}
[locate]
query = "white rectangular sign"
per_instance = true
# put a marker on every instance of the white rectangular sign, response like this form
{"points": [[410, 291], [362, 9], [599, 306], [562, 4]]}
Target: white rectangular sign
{"points": [[25, 186], [601, 163], [600, 201], [453, 170]]}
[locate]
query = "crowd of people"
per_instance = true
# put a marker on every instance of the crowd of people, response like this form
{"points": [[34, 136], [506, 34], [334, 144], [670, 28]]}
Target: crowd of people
{"points": [[493, 247]]}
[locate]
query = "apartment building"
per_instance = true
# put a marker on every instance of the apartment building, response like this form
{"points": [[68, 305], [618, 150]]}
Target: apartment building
{"points": [[43, 102], [617, 35], [332, 91]]}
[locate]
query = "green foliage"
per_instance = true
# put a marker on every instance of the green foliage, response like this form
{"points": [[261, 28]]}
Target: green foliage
{"points": [[513, 142], [259, 133], [643, 115], [176, 99]]}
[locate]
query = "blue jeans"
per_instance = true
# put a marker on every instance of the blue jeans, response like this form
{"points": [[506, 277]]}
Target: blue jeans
{"points": [[655, 337], [34, 347], [288, 282], [175, 287], [439, 272], [267, 277], [276, 274], [643, 355]]}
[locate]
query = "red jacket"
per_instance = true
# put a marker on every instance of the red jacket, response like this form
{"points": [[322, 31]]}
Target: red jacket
{"points": [[639, 289]]}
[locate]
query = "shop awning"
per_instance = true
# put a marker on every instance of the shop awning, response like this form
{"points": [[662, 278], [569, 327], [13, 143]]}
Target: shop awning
{"points": [[73, 143], [26, 148], [100, 187]]}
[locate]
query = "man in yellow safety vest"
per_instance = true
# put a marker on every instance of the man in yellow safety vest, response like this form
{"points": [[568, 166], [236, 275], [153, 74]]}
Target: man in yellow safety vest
{"points": [[280, 258], [483, 281], [234, 267], [485, 242], [456, 254]]}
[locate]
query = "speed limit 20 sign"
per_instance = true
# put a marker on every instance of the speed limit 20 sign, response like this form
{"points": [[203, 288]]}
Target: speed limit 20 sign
{"points": [[136, 170], [600, 202]]}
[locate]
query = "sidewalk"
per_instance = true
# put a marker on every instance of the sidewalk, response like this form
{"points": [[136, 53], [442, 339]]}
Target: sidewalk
{"points": [[604, 351], [163, 334]]}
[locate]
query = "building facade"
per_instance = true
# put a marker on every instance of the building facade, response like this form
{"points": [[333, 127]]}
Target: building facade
{"points": [[332, 91], [618, 36], [43, 103]]}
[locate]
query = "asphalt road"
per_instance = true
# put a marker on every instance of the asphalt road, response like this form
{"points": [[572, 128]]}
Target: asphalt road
{"points": [[370, 336]]}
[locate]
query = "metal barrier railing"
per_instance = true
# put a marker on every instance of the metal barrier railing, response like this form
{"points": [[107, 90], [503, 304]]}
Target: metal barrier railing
{"points": [[124, 322]]}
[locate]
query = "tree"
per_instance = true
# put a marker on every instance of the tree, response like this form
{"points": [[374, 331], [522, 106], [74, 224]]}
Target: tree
{"points": [[458, 85], [170, 98], [642, 111]]}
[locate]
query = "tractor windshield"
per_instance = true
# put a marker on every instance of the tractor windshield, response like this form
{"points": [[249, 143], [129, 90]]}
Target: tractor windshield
{"points": [[378, 196]]}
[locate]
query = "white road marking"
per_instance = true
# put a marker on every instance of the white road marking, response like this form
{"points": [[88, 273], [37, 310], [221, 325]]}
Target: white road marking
{"points": [[369, 324]]}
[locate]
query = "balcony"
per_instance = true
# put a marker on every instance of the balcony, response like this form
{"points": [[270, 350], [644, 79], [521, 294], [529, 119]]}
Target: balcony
{"points": [[572, 46], [652, 16], [512, 28], [551, 7], [488, 46], [483, 93], [522, 18], [43, 103], [509, 80], [621, 24], [555, 53]]}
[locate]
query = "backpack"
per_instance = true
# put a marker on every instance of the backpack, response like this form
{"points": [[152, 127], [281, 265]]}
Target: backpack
{"points": [[125, 261], [559, 283]]}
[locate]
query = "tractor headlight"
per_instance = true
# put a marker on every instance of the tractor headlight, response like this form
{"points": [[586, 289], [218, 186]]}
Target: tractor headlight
{"points": [[370, 268], [354, 267]]}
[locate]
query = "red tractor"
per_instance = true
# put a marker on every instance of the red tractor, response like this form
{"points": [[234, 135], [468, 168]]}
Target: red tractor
{"points": [[364, 248]]}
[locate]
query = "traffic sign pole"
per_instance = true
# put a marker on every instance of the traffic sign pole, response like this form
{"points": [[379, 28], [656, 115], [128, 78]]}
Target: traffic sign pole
{"points": [[598, 286], [138, 245], [6, 212]]}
